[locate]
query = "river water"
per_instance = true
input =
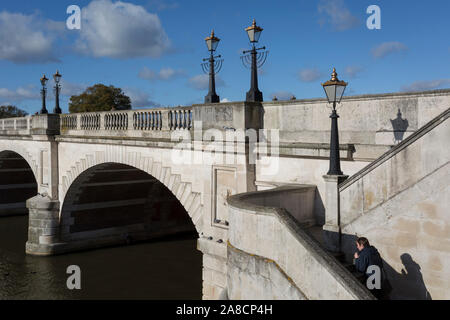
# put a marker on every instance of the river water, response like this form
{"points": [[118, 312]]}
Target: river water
{"points": [[163, 269]]}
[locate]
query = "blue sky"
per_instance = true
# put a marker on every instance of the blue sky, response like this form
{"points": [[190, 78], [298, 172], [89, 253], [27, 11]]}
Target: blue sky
{"points": [[153, 48]]}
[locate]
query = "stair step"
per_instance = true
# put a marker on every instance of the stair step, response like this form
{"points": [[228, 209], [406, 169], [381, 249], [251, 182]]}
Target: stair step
{"points": [[339, 256], [350, 267]]}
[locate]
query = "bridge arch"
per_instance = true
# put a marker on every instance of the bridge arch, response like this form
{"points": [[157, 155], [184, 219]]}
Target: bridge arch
{"points": [[18, 148], [181, 190], [17, 183]]}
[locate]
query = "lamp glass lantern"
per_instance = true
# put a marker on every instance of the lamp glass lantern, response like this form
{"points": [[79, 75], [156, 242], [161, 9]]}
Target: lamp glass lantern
{"points": [[44, 81], [57, 77], [212, 42], [334, 88], [254, 32]]}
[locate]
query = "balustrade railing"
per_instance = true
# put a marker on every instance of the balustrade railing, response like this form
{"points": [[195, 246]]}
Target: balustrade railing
{"points": [[148, 120], [161, 120], [167, 119], [11, 124], [90, 121], [69, 121]]}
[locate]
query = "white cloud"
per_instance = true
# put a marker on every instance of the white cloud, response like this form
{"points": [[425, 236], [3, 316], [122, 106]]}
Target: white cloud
{"points": [[121, 30], [387, 48], [140, 99], [27, 38], [201, 82], [164, 74], [8, 96], [224, 100], [427, 85], [309, 75], [353, 71], [282, 95], [335, 13]]}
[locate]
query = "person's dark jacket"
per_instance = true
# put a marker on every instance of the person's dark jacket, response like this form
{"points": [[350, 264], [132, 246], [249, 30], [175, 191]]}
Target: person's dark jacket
{"points": [[367, 257]]}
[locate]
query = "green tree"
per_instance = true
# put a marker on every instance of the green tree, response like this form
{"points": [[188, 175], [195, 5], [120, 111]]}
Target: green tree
{"points": [[11, 112], [99, 98]]}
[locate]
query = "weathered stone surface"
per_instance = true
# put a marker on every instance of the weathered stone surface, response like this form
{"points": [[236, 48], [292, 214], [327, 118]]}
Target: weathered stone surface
{"points": [[405, 201]]}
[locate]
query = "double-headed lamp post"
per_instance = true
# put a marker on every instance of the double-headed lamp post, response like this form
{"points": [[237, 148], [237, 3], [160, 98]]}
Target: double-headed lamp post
{"points": [[43, 94], [334, 89], [257, 60], [212, 67], [57, 77]]}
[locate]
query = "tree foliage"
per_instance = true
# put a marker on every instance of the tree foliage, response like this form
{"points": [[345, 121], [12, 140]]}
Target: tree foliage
{"points": [[99, 98], [11, 112]]}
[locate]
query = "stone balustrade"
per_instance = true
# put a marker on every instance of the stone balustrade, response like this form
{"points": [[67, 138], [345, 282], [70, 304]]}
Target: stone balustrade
{"points": [[123, 123], [135, 123], [15, 125]]}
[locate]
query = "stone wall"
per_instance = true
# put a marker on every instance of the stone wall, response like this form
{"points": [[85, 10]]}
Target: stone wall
{"points": [[258, 278], [366, 120], [400, 203], [280, 259]]}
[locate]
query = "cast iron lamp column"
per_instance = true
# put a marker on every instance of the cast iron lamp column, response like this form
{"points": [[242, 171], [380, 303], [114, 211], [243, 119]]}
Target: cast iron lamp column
{"points": [[212, 67], [57, 78], [257, 60], [43, 94], [334, 89]]}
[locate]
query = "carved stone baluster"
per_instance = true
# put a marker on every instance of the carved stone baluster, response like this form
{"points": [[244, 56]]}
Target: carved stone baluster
{"points": [[190, 120], [175, 113]]}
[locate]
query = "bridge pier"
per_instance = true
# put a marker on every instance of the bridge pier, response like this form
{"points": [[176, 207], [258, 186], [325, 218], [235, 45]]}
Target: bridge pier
{"points": [[43, 228], [214, 269]]}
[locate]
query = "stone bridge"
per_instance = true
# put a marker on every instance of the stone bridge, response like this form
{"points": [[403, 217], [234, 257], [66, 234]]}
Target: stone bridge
{"points": [[108, 178]]}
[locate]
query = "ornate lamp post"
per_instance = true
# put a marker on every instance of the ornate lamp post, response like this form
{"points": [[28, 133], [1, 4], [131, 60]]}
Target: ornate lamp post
{"points": [[212, 67], [256, 60], [43, 94], [334, 89], [57, 78]]}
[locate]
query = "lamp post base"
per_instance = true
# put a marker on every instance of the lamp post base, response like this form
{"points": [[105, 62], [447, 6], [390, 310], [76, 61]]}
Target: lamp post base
{"points": [[254, 96], [212, 98]]}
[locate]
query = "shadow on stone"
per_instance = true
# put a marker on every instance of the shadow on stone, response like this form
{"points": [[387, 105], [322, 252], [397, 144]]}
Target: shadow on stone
{"points": [[406, 285], [399, 126], [319, 208]]}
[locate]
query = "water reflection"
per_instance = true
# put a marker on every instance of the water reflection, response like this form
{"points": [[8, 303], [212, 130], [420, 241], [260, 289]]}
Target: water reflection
{"points": [[165, 269]]}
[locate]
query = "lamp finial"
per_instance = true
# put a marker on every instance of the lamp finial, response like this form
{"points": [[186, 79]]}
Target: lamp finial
{"points": [[334, 75]]}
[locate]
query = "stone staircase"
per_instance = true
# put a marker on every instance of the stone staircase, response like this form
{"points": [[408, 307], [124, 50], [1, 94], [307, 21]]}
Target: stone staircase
{"points": [[316, 233]]}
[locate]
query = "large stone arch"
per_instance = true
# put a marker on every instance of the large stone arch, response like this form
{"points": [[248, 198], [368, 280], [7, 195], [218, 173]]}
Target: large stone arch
{"points": [[182, 190], [18, 182], [17, 147]]}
